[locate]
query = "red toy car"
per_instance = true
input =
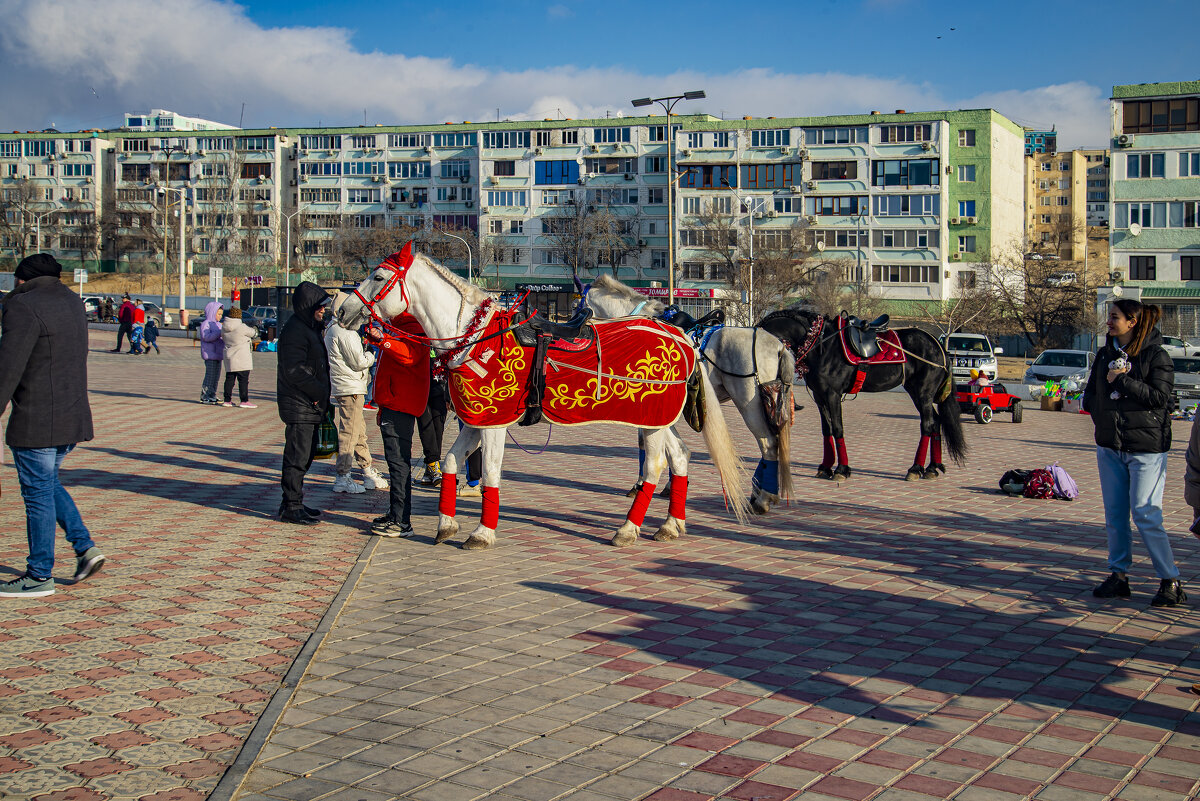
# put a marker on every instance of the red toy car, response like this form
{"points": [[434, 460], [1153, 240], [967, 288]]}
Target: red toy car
{"points": [[984, 402]]}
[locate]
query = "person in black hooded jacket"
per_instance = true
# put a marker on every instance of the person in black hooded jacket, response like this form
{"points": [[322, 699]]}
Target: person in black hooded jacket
{"points": [[1128, 395], [302, 391]]}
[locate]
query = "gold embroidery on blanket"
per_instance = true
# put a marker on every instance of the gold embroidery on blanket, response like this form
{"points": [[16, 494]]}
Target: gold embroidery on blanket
{"points": [[481, 395], [650, 374]]}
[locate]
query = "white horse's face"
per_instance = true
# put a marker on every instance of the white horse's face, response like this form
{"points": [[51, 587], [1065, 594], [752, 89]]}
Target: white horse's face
{"points": [[353, 313]]}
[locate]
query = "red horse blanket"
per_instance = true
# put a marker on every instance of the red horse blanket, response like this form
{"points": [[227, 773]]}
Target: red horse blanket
{"points": [[889, 348], [635, 372]]}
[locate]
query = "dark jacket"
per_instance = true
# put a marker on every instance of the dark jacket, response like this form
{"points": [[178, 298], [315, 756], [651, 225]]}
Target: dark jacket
{"points": [[302, 386], [43, 365], [1139, 420]]}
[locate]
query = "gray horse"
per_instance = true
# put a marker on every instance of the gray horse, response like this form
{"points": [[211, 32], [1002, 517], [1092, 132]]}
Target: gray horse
{"points": [[738, 361]]}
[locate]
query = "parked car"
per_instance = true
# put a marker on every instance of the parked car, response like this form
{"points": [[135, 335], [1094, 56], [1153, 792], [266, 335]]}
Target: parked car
{"points": [[1187, 380], [260, 317], [1174, 346], [1061, 279], [971, 352], [1058, 365], [161, 315]]}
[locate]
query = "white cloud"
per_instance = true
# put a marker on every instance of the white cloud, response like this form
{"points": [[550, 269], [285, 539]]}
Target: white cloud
{"points": [[558, 11], [206, 58]]}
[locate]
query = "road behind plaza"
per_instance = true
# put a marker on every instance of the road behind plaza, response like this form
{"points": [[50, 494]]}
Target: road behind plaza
{"points": [[880, 639]]}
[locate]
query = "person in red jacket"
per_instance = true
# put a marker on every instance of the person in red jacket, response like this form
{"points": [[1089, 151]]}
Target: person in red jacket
{"points": [[125, 322], [401, 391]]}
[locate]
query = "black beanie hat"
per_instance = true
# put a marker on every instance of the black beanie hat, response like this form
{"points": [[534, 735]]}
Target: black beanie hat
{"points": [[36, 266]]}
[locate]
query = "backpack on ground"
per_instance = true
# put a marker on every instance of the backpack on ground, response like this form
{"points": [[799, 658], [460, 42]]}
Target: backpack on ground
{"points": [[1064, 485], [1013, 482], [1039, 484]]}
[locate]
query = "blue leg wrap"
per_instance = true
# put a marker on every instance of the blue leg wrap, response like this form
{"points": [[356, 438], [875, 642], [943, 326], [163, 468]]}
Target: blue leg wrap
{"points": [[641, 462], [766, 476]]}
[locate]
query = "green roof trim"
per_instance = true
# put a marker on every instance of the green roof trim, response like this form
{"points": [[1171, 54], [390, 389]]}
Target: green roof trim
{"points": [[1156, 89], [1151, 291]]}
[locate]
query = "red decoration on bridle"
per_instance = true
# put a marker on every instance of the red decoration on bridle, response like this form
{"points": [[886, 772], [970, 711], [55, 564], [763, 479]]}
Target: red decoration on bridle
{"points": [[397, 264]]}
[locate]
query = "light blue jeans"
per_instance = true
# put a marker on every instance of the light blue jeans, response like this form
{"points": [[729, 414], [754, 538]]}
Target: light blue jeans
{"points": [[1133, 483], [47, 503]]}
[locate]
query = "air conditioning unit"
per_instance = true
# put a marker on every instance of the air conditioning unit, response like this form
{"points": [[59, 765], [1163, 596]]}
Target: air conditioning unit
{"points": [[470, 204], [811, 184], [391, 206], [292, 182], [1117, 275], [641, 243], [955, 257], [200, 153], [628, 176], [1126, 140], [595, 148], [684, 153], [464, 178], [376, 178], [810, 219], [303, 178], [262, 179], [802, 153], [537, 151], [413, 205], [428, 149], [579, 181], [772, 213], [927, 146], [786, 151], [954, 221], [292, 156], [949, 169], [969, 220], [89, 180]]}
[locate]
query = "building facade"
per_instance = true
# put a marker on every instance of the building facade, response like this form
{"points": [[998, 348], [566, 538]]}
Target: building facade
{"points": [[1062, 191], [913, 199], [1041, 142], [1155, 197]]}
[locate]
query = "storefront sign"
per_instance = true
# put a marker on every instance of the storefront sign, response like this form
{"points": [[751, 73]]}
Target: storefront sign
{"points": [[545, 288], [680, 292]]}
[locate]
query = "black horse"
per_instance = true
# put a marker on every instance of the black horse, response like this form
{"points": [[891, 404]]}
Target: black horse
{"points": [[829, 375]]}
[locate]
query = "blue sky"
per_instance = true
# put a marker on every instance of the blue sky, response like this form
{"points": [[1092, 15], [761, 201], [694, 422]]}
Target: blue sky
{"points": [[308, 62]]}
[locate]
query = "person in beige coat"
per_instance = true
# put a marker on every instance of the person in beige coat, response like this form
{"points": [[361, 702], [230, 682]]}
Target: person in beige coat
{"points": [[349, 373], [239, 360]]}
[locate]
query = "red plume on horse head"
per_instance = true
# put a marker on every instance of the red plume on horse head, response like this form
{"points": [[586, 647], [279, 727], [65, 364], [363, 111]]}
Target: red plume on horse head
{"points": [[402, 260]]}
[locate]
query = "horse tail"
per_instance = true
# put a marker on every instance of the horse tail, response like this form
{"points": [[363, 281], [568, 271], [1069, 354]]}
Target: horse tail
{"points": [[787, 374], [725, 457], [950, 416]]}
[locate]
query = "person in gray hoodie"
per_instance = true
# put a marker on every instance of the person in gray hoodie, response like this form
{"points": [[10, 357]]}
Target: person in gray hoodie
{"points": [[239, 359], [212, 350]]}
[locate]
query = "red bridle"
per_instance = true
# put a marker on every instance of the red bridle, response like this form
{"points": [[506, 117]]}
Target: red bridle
{"points": [[397, 264]]}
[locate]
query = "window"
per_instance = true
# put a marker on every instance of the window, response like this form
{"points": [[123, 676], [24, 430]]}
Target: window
{"points": [[254, 194], [701, 238], [456, 169], [570, 137], [1189, 268], [1189, 165], [364, 221], [127, 146], [321, 168], [10, 149], [833, 205], [1064, 166], [1046, 219], [405, 140], [689, 205], [721, 139], [835, 136], [78, 170], [1175, 214], [516, 226], [656, 164], [542, 138], [320, 196], [362, 195], [611, 166], [721, 205], [905, 133], [789, 205], [211, 170], [610, 135], [506, 198], [558, 197], [834, 170], [658, 259], [556, 172], [1145, 165], [966, 137], [447, 193], [907, 205], [454, 140], [906, 273], [711, 176], [695, 140], [966, 244], [922, 238], [322, 220], [966, 208], [261, 169], [770, 176], [1159, 116], [907, 172], [506, 139], [656, 133], [504, 168], [358, 142], [13, 170], [841, 238], [655, 195], [1062, 200], [966, 172], [216, 143], [779, 137], [408, 169], [1141, 268], [613, 196], [256, 143]]}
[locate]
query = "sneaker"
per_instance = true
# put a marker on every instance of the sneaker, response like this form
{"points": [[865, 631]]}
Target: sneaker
{"points": [[88, 563], [347, 484], [246, 405], [1115, 586], [27, 586], [374, 480], [470, 491], [297, 517], [370, 407], [228, 403], [433, 475], [1170, 593], [390, 528]]}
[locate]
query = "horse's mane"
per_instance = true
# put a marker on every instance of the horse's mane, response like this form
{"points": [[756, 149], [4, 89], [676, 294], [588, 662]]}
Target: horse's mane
{"points": [[792, 314], [469, 292], [609, 284]]}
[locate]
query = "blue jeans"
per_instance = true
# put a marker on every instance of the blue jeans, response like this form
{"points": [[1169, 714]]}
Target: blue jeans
{"points": [[1133, 482], [47, 502]]}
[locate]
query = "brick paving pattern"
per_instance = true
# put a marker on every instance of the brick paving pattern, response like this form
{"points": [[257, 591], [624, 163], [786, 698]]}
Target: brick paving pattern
{"points": [[877, 640]]}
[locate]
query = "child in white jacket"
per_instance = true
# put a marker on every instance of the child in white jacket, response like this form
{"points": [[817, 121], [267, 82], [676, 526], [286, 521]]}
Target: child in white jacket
{"points": [[349, 373]]}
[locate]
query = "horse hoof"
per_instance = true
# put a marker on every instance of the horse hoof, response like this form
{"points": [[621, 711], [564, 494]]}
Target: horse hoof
{"points": [[824, 472], [634, 490], [474, 543], [841, 474], [914, 474], [670, 530], [930, 473], [759, 505], [446, 533], [626, 535]]}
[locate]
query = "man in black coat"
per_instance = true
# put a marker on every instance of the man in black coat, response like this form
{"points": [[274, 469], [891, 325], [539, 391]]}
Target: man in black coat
{"points": [[302, 392], [43, 373]]}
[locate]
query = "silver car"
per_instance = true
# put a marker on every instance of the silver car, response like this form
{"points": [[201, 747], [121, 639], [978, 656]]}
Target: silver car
{"points": [[1056, 365], [1187, 380]]}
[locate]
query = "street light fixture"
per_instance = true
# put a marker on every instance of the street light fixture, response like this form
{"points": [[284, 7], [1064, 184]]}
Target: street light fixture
{"points": [[752, 204], [287, 270], [182, 192], [668, 103], [37, 224], [468, 247]]}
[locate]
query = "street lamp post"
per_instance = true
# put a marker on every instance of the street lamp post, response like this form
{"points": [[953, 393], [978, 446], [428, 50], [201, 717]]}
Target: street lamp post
{"points": [[668, 103], [465, 245], [751, 204], [287, 269], [182, 191], [37, 224]]}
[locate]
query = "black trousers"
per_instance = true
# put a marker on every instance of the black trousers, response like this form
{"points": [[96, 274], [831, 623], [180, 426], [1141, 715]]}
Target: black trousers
{"points": [[299, 449], [396, 428], [125, 330], [432, 423], [243, 382]]}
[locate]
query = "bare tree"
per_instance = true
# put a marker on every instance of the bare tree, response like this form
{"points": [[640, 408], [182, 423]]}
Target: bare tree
{"points": [[571, 232], [972, 305], [1036, 299], [834, 286], [17, 223]]}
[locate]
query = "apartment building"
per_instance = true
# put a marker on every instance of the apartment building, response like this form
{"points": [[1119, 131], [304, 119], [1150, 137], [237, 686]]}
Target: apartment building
{"points": [[1062, 193], [1155, 196], [914, 199], [1041, 142], [159, 119]]}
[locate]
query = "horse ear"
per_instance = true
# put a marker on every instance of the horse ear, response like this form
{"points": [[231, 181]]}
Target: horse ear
{"points": [[403, 259]]}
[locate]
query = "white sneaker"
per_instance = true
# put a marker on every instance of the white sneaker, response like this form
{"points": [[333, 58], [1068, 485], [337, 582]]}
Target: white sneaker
{"points": [[347, 484], [374, 480]]}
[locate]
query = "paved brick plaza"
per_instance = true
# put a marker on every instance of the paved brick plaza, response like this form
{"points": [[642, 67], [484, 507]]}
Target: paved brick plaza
{"points": [[883, 639]]}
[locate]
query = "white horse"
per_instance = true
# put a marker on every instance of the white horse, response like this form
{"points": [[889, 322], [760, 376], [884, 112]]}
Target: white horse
{"points": [[738, 361], [477, 341]]}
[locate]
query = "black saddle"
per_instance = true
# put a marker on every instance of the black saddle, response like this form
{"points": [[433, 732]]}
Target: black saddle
{"points": [[681, 319], [528, 332], [863, 336]]}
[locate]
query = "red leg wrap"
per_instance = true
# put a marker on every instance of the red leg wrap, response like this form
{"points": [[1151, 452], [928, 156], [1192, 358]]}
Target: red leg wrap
{"points": [[922, 451], [641, 503], [491, 507], [937, 449], [678, 503], [827, 457], [446, 495], [843, 459]]}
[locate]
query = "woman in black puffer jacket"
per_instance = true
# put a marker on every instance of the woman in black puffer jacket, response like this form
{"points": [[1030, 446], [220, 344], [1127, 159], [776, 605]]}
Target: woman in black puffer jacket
{"points": [[1128, 396]]}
